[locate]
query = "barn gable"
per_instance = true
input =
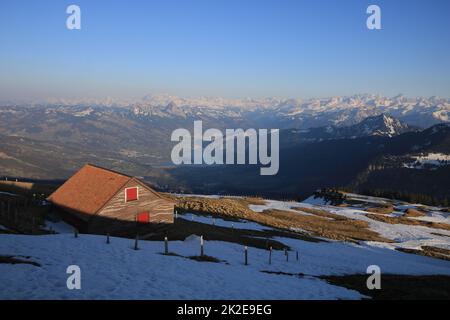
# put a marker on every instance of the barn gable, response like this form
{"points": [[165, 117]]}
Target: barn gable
{"points": [[157, 208]]}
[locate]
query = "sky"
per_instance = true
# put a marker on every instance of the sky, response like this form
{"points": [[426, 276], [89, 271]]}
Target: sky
{"points": [[227, 48]]}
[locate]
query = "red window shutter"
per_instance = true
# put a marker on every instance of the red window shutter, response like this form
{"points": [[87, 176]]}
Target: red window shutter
{"points": [[131, 194], [143, 217]]}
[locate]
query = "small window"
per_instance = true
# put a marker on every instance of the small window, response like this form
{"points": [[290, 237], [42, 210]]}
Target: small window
{"points": [[131, 194]]}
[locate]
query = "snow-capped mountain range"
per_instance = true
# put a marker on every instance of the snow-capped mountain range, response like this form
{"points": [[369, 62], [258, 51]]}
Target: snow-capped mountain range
{"points": [[337, 111], [278, 112], [382, 125]]}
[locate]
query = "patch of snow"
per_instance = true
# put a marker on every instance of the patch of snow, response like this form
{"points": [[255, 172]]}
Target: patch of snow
{"points": [[430, 159], [277, 205], [318, 201]]}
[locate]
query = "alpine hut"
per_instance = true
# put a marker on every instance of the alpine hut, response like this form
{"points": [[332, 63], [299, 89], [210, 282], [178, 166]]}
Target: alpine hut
{"points": [[96, 199]]}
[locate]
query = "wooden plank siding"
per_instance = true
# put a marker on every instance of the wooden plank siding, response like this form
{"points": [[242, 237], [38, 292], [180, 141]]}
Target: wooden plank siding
{"points": [[118, 212]]}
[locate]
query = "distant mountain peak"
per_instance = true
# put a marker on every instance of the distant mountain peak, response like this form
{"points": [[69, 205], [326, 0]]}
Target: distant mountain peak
{"points": [[382, 125]]}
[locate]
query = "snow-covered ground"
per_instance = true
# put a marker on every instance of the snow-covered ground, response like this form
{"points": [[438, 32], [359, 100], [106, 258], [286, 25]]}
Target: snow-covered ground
{"points": [[405, 236], [116, 271], [430, 159]]}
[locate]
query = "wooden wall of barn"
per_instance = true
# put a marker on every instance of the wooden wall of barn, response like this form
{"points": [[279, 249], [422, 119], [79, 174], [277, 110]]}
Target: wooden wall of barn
{"points": [[118, 212]]}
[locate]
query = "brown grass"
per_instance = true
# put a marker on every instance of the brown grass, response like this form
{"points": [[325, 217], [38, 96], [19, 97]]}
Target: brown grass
{"points": [[336, 228], [411, 213], [27, 188], [407, 221], [381, 209], [323, 224], [429, 251]]}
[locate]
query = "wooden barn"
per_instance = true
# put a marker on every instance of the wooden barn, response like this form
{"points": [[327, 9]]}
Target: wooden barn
{"points": [[100, 200]]}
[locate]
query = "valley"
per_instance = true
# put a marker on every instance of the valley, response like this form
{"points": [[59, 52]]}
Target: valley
{"points": [[52, 141]]}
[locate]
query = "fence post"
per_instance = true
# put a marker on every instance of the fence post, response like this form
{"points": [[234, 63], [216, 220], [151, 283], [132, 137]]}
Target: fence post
{"points": [[297, 255], [166, 246], [246, 255], [136, 242], [270, 255], [33, 221], [201, 246], [286, 254], [16, 212], [107, 238], [75, 233]]}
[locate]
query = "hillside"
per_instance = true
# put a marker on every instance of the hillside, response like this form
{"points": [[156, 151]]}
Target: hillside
{"points": [[34, 267]]}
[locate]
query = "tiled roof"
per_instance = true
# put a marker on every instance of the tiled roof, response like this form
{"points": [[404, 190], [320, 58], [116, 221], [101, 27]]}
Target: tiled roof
{"points": [[88, 190]]}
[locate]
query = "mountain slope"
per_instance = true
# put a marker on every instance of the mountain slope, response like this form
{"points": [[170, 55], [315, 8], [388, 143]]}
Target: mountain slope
{"points": [[306, 167]]}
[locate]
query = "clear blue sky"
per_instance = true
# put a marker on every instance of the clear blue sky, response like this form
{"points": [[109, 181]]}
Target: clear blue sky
{"points": [[230, 48]]}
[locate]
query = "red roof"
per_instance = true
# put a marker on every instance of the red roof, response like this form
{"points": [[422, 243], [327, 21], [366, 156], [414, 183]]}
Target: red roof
{"points": [[88, 190]]}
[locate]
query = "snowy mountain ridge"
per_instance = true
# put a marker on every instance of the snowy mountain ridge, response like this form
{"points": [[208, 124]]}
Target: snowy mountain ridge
{"points": [[284, 113]]}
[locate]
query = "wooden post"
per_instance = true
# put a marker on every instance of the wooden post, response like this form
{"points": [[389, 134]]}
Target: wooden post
{"points": [[107, 238], [33, 221], [296, 254], [201, 246], [270, 255], [16, 214], [136, 242], [246, 255], [166, 246]]}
